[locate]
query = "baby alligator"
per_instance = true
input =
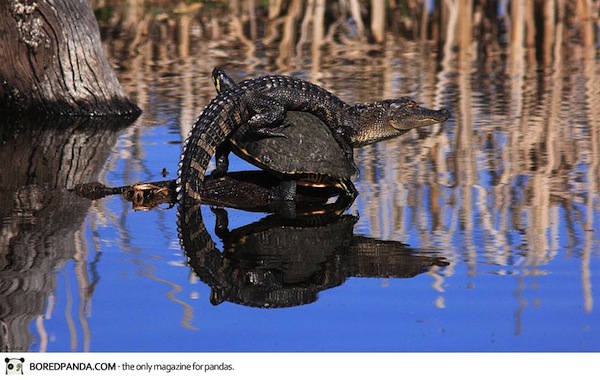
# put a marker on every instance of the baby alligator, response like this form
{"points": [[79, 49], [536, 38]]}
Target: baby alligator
{"points": [[365, 123], [351, 125]]}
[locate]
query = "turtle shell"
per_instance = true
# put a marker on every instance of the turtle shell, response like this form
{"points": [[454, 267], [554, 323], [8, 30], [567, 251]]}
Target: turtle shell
{"points": [[308, 153]]}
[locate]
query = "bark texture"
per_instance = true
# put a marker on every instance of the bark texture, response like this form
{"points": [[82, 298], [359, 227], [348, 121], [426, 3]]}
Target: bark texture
{"points": [[53, 62]]}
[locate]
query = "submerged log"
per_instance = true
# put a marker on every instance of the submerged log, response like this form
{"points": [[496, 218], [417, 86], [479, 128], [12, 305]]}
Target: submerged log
{"points": [[53, 62]]}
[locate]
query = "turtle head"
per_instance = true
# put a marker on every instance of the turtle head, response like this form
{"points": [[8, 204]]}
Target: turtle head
{"points": [[222, 81]]}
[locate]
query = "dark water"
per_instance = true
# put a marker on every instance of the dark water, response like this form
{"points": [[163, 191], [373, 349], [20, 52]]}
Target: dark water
{"points": [[507, 191]]}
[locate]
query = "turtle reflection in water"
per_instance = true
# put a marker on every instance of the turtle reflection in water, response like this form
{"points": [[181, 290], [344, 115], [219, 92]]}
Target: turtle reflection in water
{"points": [[278, 262]]}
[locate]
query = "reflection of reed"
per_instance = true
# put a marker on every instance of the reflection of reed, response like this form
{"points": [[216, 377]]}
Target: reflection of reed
{"points": [[130, 153], [188, 310], [592, 175], [41, 219]]}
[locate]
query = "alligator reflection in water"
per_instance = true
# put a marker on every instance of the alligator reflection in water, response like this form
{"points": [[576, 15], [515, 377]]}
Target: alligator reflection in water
{"points": [[281, 262]]}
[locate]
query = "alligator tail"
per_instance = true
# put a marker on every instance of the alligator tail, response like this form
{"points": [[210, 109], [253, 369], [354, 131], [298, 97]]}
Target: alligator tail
{"points": [[218, 120]]}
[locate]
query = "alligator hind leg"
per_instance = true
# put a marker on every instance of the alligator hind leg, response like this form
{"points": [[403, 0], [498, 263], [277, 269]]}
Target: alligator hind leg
{"points": [[269, 113]]}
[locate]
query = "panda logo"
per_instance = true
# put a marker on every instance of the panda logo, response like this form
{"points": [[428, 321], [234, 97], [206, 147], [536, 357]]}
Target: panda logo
{"points": [[14, 366]]}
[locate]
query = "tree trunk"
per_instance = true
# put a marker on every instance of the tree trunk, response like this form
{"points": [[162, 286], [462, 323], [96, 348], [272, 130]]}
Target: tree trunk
{"points": [[53, 62]]}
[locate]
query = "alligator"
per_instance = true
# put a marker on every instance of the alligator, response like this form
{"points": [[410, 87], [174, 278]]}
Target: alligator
{"points": [[262, 103], [309, 155]]}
